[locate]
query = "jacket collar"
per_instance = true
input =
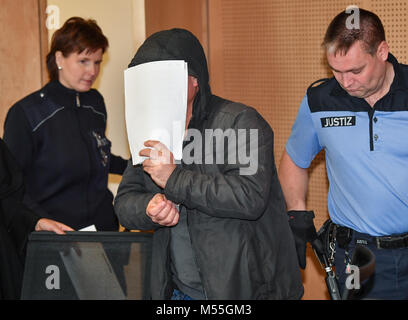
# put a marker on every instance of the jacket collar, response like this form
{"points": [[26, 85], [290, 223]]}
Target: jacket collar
{"points": [[61, 94]]}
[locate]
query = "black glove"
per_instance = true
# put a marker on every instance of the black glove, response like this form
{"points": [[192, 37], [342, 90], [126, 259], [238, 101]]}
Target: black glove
{"points": [[303, 229]]}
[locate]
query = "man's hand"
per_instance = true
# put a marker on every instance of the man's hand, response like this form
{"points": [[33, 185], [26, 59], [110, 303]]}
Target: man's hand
{"points": [[160, 163], [162, 211], [51, 225]]}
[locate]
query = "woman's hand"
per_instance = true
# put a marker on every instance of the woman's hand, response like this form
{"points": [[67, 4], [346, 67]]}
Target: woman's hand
{"points": [[52, 225]]}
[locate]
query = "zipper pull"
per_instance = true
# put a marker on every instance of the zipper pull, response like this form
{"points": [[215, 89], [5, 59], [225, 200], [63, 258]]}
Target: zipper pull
{"points": [[78, 102]]}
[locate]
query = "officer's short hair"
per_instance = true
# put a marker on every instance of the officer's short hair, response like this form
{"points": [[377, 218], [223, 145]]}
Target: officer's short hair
{"points": [[340, 36]]}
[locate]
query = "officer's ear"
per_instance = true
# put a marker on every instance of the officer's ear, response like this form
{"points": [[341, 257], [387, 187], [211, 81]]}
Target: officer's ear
{"points": [[383, 50]]}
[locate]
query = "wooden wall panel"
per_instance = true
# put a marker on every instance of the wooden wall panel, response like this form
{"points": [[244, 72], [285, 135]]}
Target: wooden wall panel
{"points": [[187, 14], [21, 51]]}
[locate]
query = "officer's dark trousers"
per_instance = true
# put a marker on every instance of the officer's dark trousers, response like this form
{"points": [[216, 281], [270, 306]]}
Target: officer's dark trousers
{"points": [[390, 280]]}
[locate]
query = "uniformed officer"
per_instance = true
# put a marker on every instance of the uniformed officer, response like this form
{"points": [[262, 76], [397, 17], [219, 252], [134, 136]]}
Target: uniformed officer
{"points": [[360, 118]]}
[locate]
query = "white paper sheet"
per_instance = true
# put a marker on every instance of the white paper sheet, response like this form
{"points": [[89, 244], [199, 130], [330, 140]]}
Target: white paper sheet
{"points": [[89, 228], [156, 105]]}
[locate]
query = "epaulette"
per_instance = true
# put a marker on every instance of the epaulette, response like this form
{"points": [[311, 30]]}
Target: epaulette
{"points": [[318, 82]]}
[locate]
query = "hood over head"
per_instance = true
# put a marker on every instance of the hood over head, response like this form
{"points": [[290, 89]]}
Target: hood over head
{"points": [[180, 44]]}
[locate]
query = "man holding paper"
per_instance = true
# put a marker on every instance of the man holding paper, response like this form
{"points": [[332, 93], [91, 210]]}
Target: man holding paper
{"points": [[219, 220]]}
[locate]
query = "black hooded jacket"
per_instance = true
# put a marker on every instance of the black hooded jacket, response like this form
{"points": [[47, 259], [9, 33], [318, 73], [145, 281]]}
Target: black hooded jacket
{"points": [[238, 226]]}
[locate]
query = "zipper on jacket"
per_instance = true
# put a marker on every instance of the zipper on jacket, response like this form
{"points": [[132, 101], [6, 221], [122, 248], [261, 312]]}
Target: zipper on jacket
{"points": [[78, 104]]}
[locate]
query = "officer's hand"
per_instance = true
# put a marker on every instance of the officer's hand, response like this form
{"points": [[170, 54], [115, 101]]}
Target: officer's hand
{"points": [[303, 229], [162, 211]]}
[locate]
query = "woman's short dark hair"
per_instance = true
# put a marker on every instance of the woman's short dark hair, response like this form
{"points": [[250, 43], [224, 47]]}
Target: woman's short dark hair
{"points": [[76, 35], [340, 37]]}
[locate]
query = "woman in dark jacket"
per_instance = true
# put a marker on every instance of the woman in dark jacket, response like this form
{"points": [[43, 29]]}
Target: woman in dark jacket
{"points": [[229, 237], [57, 134]]}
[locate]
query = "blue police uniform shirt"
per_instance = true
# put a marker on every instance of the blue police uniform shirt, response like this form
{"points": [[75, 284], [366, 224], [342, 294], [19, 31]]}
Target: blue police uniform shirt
{"points": [[366, 153]]}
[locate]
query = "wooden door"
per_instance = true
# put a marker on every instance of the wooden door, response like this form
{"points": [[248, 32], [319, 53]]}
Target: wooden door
{"points": [[23, 45]]}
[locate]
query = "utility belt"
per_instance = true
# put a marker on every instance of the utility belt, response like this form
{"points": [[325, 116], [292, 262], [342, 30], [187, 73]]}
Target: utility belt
{"points": [[333, 235], [345, 235]]}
